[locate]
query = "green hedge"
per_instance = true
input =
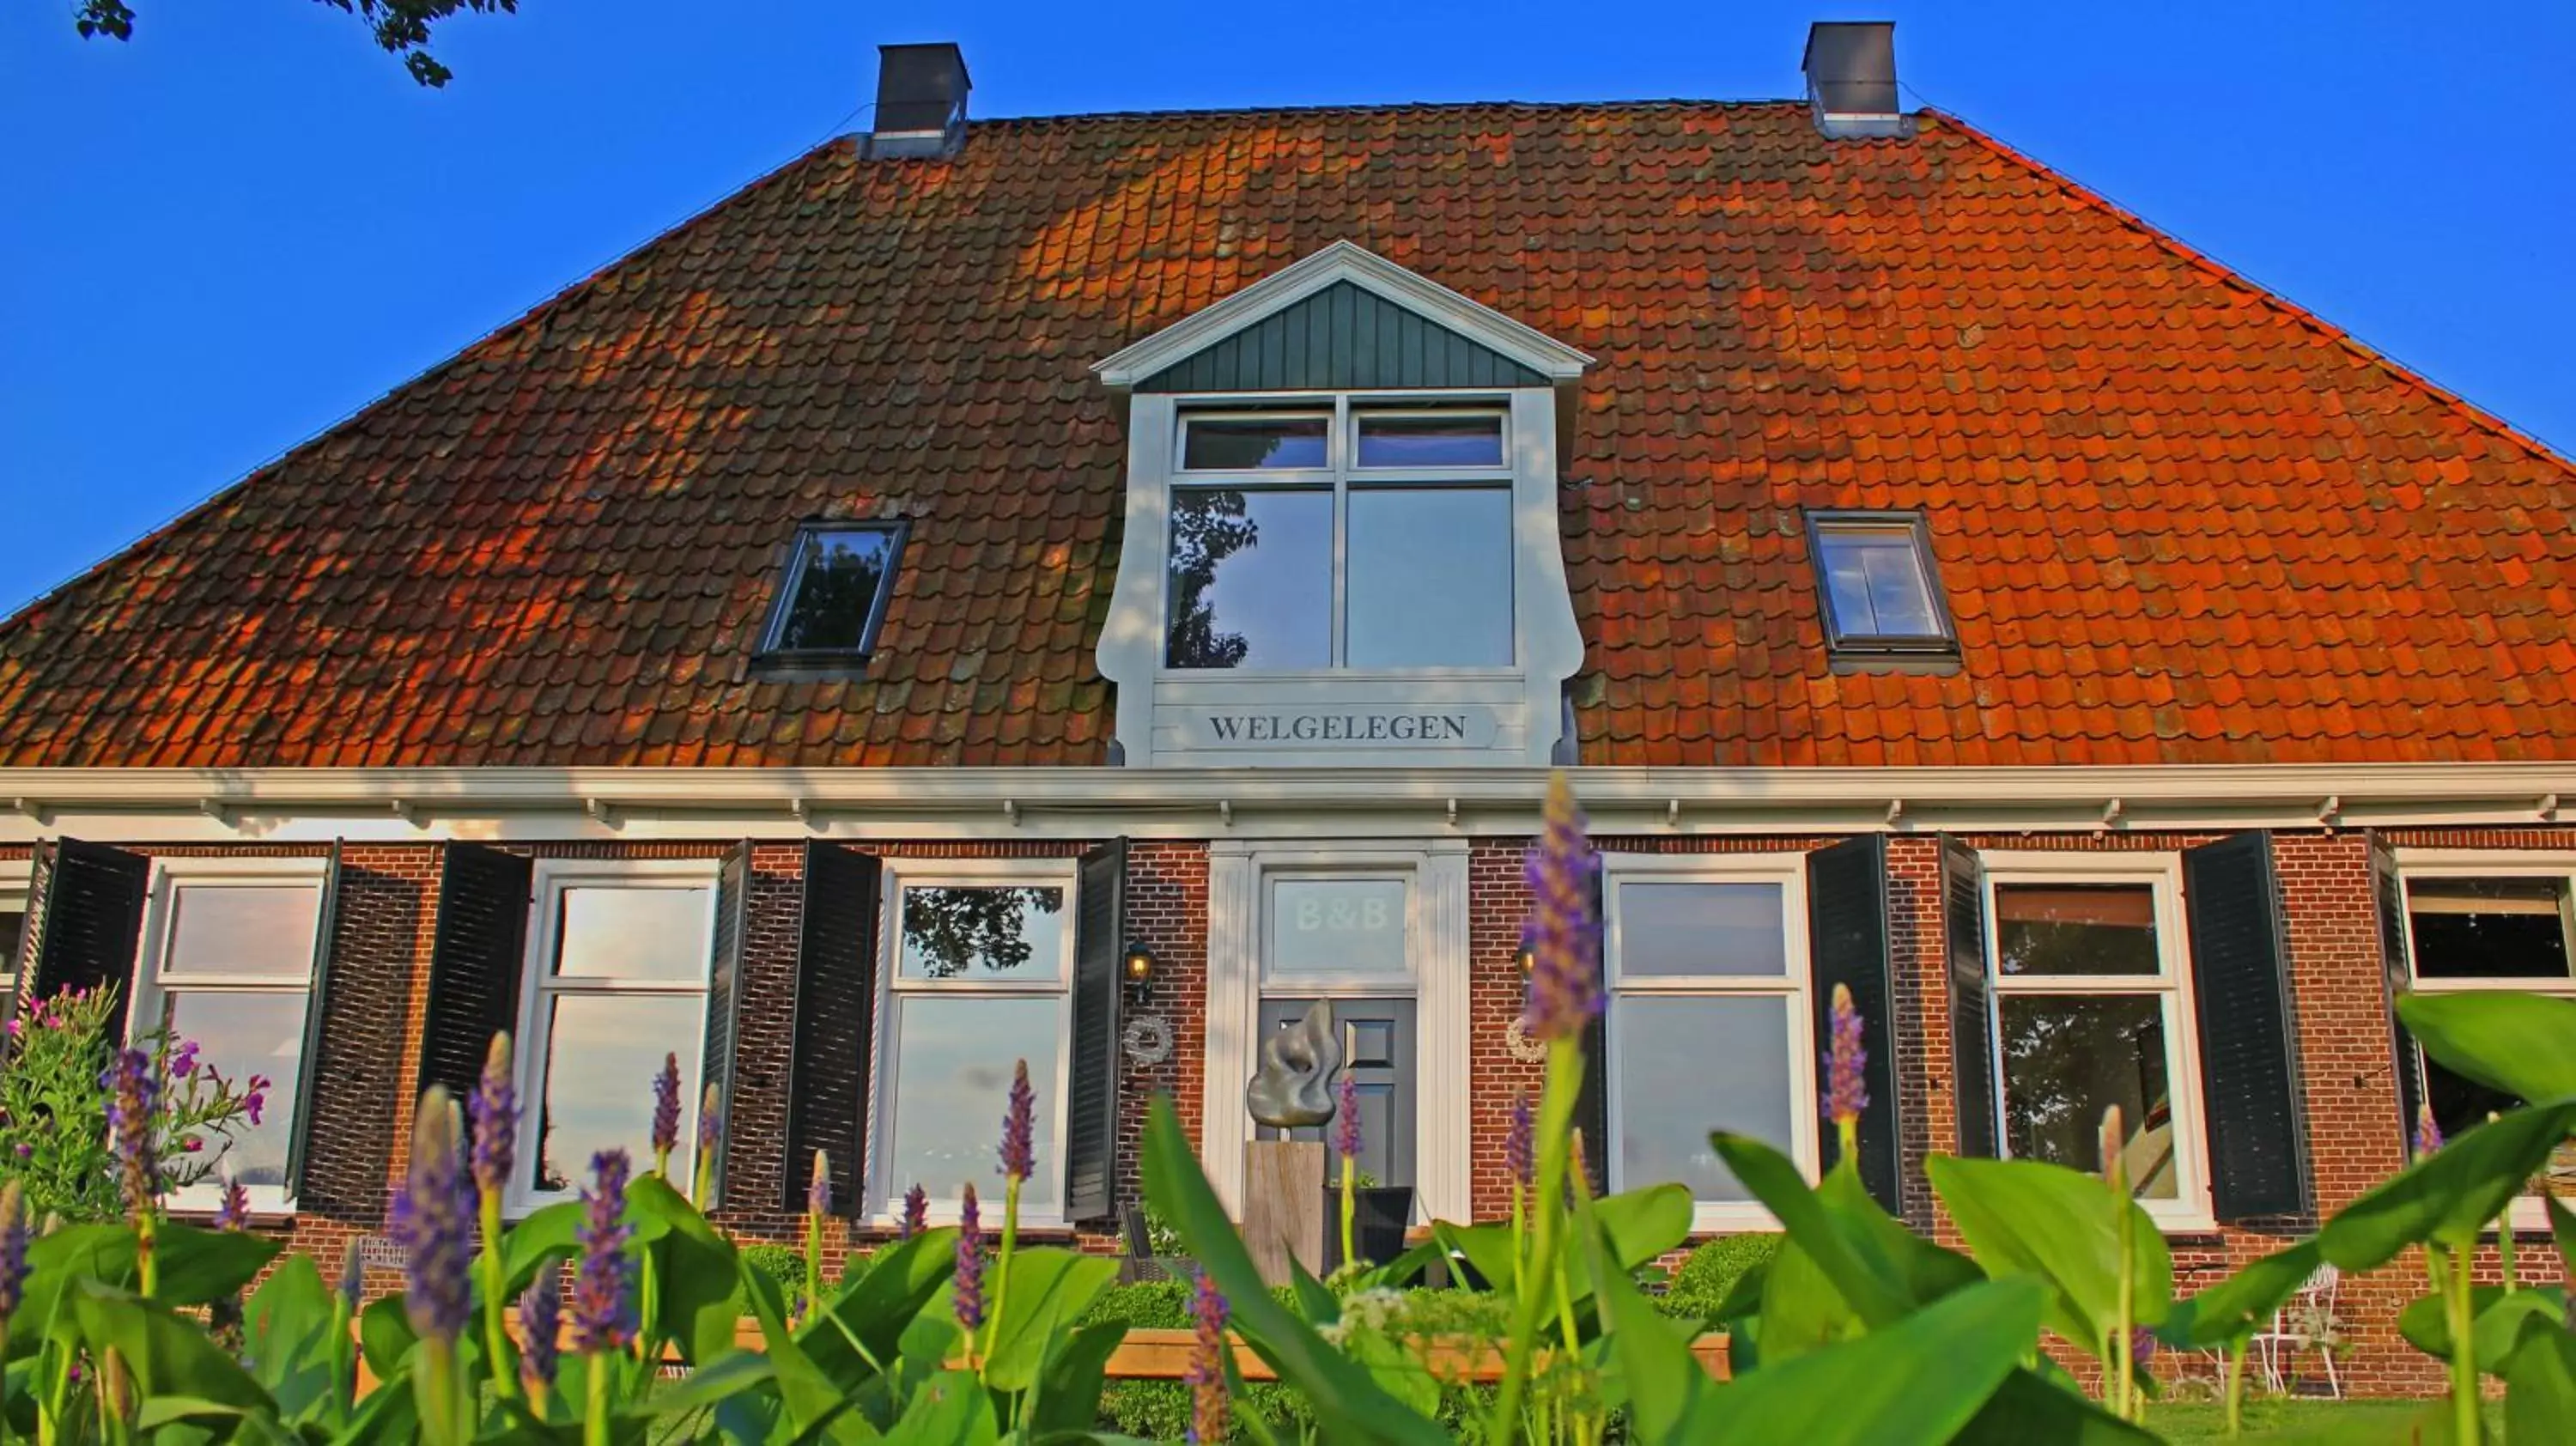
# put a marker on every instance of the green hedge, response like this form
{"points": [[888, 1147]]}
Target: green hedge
{"points": [[1700, 1286]]}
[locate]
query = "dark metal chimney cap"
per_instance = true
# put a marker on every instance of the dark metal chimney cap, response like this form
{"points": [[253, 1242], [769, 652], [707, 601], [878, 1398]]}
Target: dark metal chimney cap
{"points": [[921, 100], [1851, 78]]}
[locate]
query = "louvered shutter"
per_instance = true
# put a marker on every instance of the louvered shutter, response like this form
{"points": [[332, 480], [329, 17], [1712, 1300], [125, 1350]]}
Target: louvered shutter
{"points": [[836, 1000], [1592, 1105], [1972, 999], [84, 916], [477, 957], [2249, 1075], [1091, 1103], [724, 994], [1847, 932], [308, 1063], [2396, 963]]}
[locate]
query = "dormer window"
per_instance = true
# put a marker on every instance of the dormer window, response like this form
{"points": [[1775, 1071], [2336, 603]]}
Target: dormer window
{"points": [[1373, 535], [833, 598], [1880, 592]]}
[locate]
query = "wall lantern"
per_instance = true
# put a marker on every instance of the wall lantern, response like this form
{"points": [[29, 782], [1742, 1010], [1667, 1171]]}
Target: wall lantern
{"points": [[1138, 965], [1526, 957]]}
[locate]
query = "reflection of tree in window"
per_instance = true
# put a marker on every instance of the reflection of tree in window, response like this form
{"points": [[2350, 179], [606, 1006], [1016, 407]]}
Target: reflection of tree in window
{"points": [[2068, 1059], [953, 929], [1208, 526], [835, 592]]}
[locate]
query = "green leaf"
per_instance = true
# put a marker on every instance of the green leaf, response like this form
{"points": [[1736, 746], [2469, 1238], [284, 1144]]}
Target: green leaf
{"points": [[2026, 1217], [1868, 1290], [2499, 1318], [1315, 1300], [384, 1418], [1802, 1311], [1050, 1290], [2523, 1044], [1068, 1399], [2540, 1388], [2448, 1196], [200, 1267], [1914, 1383], [165, 1354], [815, 1404], [719, 1380], [2241, 1304], [866, 1318], [951, 1409], [694, 1270], [286, 1325], [2029, 1407], [1665, 1385], [550, 1232], [385, 1336], [1349, 1406]]}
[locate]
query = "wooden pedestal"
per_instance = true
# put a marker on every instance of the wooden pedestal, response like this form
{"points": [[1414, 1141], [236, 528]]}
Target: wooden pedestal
{"points": [[1283, 1192]]}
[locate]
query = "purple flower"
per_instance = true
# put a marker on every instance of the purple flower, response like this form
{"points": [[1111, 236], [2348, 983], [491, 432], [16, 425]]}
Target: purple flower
{"points": [[602, 1292], [541, 1328], [666, 1108], [428, 1221], [1206, 1374], [13, 1248], [1346, 1117], [2428, 1135], [1846, 1094], [1519, 1155], [1565, 980], [26, 1151], [2142, 1344], [253, 1103], [183, 1060], [233, 1211], [818, 1191], [1018, 1153], [916, 1213], [711, 1121], [133, 1098], [353, 1277], [969, 1280], [495, 1109]]}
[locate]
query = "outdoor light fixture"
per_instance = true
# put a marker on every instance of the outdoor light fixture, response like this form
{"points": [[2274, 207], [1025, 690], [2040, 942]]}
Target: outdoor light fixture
{"points": [[1139, 965], [1527, 958]]}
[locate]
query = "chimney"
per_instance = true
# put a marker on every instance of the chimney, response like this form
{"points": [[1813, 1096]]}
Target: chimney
{"points": [[921, 100], [1851, 79]]}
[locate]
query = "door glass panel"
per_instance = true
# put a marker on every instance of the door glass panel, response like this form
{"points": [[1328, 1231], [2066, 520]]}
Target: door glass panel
{"points": [[952, 1081], [244, 929], [2488, 928], [602, 1052], [1701, 930], [1431, 578], [1463, 439], [983, 932], [2067, 1059], [633, 933], [2076, 929], [1254, 443], [1689, 1065], [242, 1034], [1251, 581], [1337, 927]]}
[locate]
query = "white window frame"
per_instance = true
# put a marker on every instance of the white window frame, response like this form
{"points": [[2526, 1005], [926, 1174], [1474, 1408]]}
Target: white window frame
{"points": [[2190, 1209], [2420, 863], [884, 1193], [1343, 984], [1339, 477], [17, 880], [170, 875], [1789, 872], [539, 988]]}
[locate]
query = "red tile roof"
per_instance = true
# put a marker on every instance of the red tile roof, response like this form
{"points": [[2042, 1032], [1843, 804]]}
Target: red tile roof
{"points": [[2179, 519]]}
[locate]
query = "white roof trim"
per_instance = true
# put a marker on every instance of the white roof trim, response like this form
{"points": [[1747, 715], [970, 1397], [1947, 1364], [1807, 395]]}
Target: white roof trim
{"points": [[1343, 261]]}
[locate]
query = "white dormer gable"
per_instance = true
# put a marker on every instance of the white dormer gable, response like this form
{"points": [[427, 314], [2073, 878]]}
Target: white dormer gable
{"points": [[1342, 544]]}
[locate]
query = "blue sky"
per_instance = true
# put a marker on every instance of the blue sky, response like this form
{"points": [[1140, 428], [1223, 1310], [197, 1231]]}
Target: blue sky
{"points": [[247, 223]]}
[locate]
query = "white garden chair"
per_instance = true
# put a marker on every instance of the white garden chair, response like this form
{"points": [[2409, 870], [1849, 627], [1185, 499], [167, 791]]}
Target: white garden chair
{"points": [[2305, 1320]]}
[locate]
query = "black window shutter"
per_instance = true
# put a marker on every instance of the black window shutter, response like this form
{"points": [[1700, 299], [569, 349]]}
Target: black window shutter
{"points": [[2396, 963], [836, 1000], [1972, 999], [86, 914], [477, 955], [1091, 1103], [1847, 930], [724, 992], [308, 1063], [1592, 1105], [2258, 1145]]}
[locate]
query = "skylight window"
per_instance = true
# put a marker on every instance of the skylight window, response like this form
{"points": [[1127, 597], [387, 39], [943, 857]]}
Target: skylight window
{"points": [[1881, 594], [834, 598]]}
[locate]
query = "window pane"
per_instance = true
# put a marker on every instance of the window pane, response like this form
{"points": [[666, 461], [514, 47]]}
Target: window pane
{"points": [[2076, 929], [952, 1080], [1336, 926], [2460, 1105], [1704, 930], [1251, 580], [1874, 578], [1466, 439], [2066, 1060], [836, 589], [1689, 1066], [1431, 578], [1267, 443], [983, 932], [243, 929], [13, 935], [243, 1034], [2488, 928], [602, 1052], [656, 935]]}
